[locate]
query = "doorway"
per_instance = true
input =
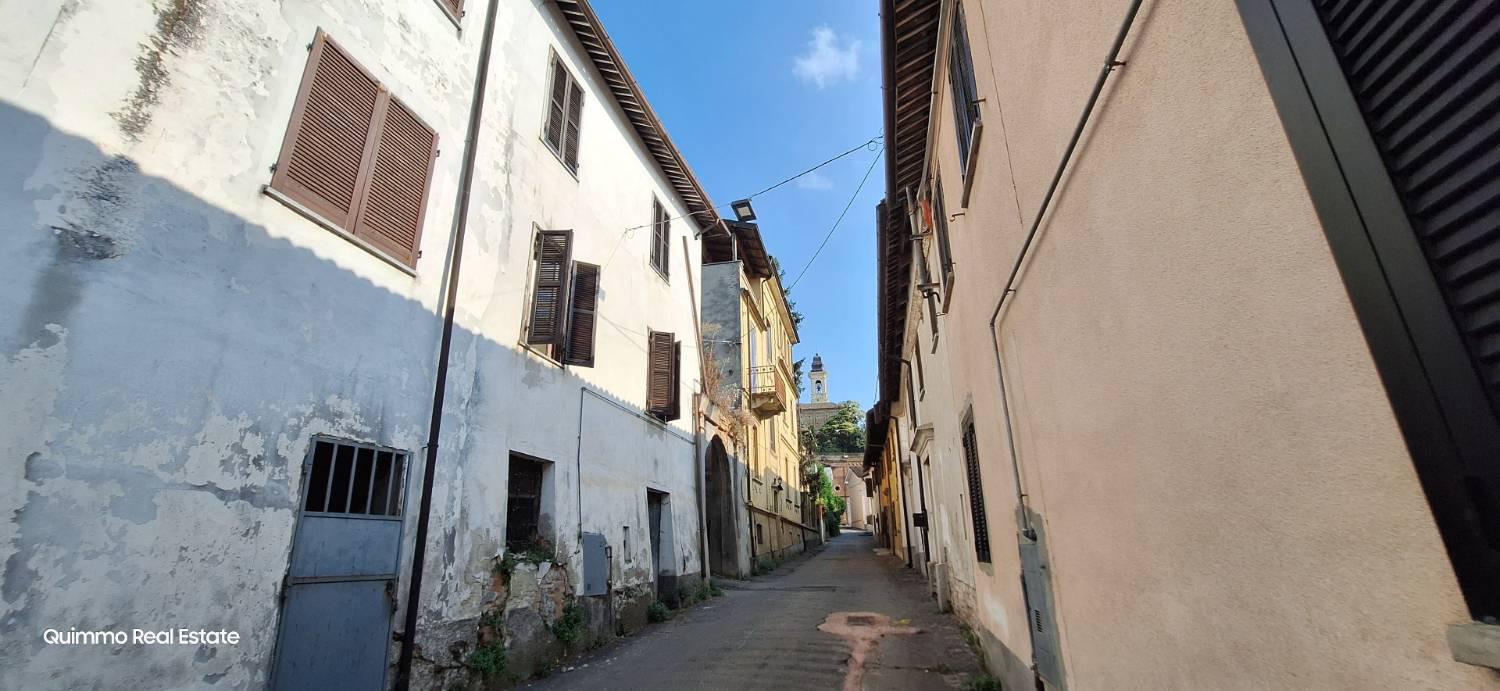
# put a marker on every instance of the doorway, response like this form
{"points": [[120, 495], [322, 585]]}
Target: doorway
{"points": [[340, 590]]}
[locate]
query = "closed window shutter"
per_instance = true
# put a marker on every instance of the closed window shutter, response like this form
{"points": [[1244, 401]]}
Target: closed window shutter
{"points": [[396, 195], [659, 373], [1425, 77], [455, 6], [945, 246], [329, 142], [549, 296], [963, 87], [557, 107], [575, 113], [585, 305], [976, 494], [674, 409], [661, 237]]}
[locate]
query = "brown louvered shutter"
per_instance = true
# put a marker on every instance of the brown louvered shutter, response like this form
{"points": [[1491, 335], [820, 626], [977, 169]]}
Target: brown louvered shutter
{"points": [[659, 375], [557, 107], [549, 296], [328, 142], [456, 7], [575, 113], [674, 409], [976, 493], [395, 199], [585, 306]]}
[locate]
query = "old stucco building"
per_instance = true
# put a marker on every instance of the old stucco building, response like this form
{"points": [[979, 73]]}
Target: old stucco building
{"points": [[748, 326], [1186, 338], [233, 234]]}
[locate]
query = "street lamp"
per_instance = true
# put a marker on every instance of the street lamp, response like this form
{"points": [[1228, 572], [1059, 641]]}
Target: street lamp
{"points": [[743, 211]]}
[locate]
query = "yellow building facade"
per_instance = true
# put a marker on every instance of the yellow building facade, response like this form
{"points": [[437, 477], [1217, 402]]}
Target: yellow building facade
{"points": [[776, 488]]}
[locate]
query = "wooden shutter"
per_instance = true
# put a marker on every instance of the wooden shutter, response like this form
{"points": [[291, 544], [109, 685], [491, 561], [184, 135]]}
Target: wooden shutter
{"points": [[963, 87], [945, 247], [454, 7], [659, 360], [395, 200], [549, 295], [1426, 77], [575, 114], [674, 409], [976, 493], [557, 106], [329, 142], [661, 237], [585, 305]]}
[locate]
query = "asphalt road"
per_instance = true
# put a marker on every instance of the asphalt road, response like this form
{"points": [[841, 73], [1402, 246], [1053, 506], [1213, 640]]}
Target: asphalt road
{"points": [[880, 630]]}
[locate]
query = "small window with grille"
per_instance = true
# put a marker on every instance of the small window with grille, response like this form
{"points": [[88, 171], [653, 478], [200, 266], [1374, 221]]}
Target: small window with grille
{"points": [[351, 478]]}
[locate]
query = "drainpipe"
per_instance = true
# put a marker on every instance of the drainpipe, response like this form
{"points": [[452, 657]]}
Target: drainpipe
{"points": [[901, 494], [439, 386], [1111, 61]]}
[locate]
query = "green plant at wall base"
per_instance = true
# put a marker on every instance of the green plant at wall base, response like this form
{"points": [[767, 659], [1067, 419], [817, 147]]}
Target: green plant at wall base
{"points": [[714, 590], [983, 683], [569, 627], [658, 613], [489, 661]]}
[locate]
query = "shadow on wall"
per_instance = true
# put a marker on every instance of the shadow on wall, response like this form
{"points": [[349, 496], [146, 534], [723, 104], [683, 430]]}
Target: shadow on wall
{"points": [[165, 363]]}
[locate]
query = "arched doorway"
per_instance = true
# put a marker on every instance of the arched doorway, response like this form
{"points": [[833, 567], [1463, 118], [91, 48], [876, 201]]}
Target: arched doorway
{"points": [[723, 545]]}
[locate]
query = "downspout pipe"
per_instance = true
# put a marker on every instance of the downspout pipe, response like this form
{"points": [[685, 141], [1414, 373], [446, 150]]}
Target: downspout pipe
{"points": [[445, 346], [1111, 61]]}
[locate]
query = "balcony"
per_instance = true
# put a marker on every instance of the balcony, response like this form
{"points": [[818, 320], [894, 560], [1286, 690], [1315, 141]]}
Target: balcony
{"points": [[768, 391]]}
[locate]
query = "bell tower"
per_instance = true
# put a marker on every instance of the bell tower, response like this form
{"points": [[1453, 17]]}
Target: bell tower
{"points": [[819, 379]]}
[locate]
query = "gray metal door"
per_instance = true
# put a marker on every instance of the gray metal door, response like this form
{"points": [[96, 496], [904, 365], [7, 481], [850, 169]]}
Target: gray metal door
{"points": [[340, 591], [1037, 584], [653, 504]]}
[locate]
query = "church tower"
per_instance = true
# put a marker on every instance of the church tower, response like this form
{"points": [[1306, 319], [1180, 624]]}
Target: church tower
{"points": [[819, 380]]}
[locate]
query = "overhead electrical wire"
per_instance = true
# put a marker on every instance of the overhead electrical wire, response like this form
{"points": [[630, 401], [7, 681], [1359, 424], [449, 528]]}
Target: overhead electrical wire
{"points": [[836, 223]]}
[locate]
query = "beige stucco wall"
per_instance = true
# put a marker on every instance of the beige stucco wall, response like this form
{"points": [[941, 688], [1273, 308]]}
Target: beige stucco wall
{"points": [[1228, 500]]}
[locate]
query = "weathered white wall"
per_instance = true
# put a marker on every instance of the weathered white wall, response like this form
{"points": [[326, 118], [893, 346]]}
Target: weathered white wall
{"points": [[174, 337], [1198, 418]]}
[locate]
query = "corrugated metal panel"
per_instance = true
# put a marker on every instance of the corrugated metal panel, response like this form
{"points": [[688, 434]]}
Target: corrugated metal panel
{"points": [[595, 565], [1426, 76]]}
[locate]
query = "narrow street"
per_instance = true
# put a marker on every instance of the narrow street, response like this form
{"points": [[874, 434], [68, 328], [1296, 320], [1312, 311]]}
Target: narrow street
{"points": [[763, 634]]}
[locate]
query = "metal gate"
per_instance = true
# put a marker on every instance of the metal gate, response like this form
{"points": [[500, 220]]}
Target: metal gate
{"points": [[340, 590]]}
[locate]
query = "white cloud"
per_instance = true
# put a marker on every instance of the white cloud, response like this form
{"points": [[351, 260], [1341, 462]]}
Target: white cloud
{"points": [[826, 61], [815, 181]]}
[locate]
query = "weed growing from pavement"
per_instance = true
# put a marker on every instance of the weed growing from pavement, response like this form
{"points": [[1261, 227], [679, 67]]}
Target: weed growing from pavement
{"points": [[658, 613], [983, 682]]}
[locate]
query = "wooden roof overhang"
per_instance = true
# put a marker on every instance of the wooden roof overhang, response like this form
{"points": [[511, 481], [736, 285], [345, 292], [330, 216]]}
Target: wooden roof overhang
{"points": [[909, 42], [627, 93], [744, 244]]}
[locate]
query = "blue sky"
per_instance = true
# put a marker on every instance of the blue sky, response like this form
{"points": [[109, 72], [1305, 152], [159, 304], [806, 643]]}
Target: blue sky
{"points": [[754, 92]]}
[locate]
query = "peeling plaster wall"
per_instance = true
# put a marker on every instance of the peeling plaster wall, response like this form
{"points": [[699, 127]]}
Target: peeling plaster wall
{"points": [[173, 338]]}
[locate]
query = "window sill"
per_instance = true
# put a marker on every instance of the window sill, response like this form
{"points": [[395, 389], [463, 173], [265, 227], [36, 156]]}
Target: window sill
{"points": [[971, 162], [662, 275], [1476, 644], [541, 354], [313, 216], [556, 154]]}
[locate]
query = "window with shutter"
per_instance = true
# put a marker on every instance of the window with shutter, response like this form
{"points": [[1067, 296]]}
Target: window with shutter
{"points": [[355, 158], [976, 492], [965, 91], [564, 114], [939, 223], [549, 295], [454, 8], [661, 237], [580, 349], [661, 394]]}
